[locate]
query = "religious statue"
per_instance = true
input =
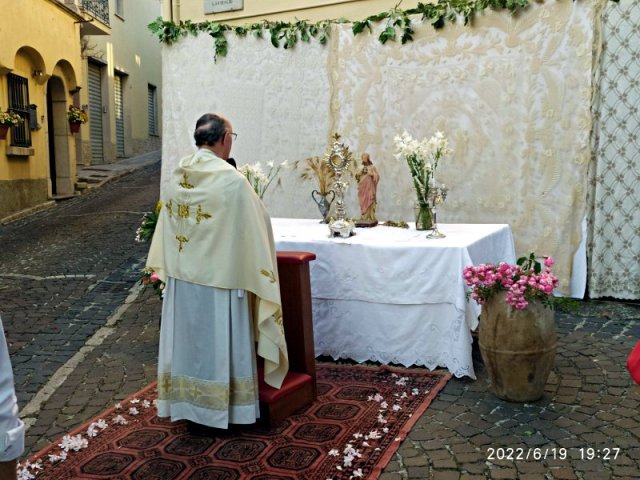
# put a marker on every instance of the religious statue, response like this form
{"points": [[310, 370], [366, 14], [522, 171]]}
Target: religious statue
{"points": [[367, 178]]}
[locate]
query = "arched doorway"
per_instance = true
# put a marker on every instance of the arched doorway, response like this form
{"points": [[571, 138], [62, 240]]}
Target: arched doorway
{"points": [[59, 162]]}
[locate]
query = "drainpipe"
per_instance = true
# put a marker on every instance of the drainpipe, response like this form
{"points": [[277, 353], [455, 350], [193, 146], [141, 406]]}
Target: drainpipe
{"points": [[167, 10]]}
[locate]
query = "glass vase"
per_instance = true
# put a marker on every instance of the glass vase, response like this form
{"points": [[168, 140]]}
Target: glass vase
{"points": [[424, 218]]}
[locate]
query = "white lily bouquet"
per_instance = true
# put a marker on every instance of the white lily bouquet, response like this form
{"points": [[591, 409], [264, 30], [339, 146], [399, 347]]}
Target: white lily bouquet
{"points": [[422, 157], [260, 180]]}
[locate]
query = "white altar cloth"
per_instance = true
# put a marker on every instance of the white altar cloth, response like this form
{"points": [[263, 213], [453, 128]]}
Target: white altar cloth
{"points": [[393, 296]]}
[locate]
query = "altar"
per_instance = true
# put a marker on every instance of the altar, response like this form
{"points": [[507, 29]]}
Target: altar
{"points": [[391, 295]]}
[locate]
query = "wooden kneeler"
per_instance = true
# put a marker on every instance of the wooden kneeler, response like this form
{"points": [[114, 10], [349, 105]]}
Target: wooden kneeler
{"points": [[299, 387]]}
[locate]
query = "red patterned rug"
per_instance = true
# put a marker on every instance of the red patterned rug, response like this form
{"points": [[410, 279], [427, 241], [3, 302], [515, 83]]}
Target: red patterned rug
{"points": [[352, 431]]}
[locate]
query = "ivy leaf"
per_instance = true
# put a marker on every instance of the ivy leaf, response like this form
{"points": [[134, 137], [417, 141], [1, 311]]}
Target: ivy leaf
{"points": [[222, 47], [387, 34], [275, 37], [438, 23], [407, 36], [358, 27], [291, 37]]}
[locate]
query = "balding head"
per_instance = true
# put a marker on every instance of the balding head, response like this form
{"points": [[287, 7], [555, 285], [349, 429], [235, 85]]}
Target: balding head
{"points": [[210, 129]]}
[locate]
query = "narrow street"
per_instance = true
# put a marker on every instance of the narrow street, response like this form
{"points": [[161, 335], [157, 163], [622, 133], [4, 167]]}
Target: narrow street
{"points": [[82, 334]]}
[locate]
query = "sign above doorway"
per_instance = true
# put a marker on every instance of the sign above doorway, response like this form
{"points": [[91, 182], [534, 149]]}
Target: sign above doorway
{"points": [[217, 6]]}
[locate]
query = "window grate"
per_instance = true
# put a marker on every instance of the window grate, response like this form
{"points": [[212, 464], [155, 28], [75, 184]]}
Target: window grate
{"points": [[152, 110], [19, 103]]}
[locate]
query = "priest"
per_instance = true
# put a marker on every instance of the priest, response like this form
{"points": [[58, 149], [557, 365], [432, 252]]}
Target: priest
{"points": [[213, 247]]}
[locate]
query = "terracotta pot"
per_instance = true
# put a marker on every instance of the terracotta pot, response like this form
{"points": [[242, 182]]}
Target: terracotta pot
{"points": [[518, 348], [74, 127], [3, 131]]}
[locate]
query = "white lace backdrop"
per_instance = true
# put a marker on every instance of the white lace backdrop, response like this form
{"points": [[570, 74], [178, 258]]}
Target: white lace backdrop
{"points": [[513, 95], [614, 221]]}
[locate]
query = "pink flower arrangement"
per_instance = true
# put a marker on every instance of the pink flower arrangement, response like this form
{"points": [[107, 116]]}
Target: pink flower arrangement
{"points": [[523, 282], [150, 278]]}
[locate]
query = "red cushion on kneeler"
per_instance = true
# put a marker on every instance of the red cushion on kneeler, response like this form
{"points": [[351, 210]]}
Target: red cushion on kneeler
{"points": [[292, 382]]}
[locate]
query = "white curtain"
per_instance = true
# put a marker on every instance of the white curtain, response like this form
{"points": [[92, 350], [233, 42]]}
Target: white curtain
{"points": [[614, 260], [512, 94]]}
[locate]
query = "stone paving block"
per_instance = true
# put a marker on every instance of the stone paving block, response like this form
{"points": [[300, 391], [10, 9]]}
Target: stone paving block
{"points": [[390, 476], [421, 473], [563, 474], [506, 473], [446, 475], [416, 461]]}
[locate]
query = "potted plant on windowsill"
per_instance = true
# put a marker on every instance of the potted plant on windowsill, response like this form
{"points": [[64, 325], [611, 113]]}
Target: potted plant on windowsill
{"points": [[77, 116], [8, 120]]}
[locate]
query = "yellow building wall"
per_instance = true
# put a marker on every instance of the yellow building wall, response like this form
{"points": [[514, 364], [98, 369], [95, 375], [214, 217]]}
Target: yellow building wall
{"points": [[283, 10], [38, 38]]}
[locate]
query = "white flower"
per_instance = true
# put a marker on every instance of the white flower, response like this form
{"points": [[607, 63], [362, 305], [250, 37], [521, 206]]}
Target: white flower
{"points": [[402, 381], [374, 435], [375, 398], [118, 406], [146, 403], [333, 452], [358, 473], [135, 400], [101, 424], [365, 444], [357, 435], [415, 391], [119, 420], [259, 180], [92, 431], [347, 460], [133, 411], [58, 458], [381, 419], [385, 430], [75, 443], [384, 405], [24, 474], [422, 157], [396, 408]]}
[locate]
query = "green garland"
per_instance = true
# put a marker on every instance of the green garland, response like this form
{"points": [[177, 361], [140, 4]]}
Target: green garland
{"points": [[288, 34]]}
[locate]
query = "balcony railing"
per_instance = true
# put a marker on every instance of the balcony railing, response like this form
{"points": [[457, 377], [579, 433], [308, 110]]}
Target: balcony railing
{"points": [[97, 8]]}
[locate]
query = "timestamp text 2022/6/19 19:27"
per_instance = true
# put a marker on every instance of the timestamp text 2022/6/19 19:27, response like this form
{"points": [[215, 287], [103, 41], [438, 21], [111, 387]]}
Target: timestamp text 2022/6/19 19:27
{"points": [[553, 453]]}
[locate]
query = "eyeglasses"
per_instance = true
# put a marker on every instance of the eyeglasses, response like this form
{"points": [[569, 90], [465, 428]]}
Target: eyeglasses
{"points": [[234, 135]]}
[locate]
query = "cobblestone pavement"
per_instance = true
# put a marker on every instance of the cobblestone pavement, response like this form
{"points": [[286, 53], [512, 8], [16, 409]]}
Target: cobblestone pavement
{"points": [[83, 336]]}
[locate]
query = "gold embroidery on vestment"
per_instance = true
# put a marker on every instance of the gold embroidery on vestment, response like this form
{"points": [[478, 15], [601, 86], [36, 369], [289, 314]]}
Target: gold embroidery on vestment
{"points": [[269, 274], [200, 215], [207, 393], [183, 210], [181, 241], [277, 317], [185, 182], [169, 206]]}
